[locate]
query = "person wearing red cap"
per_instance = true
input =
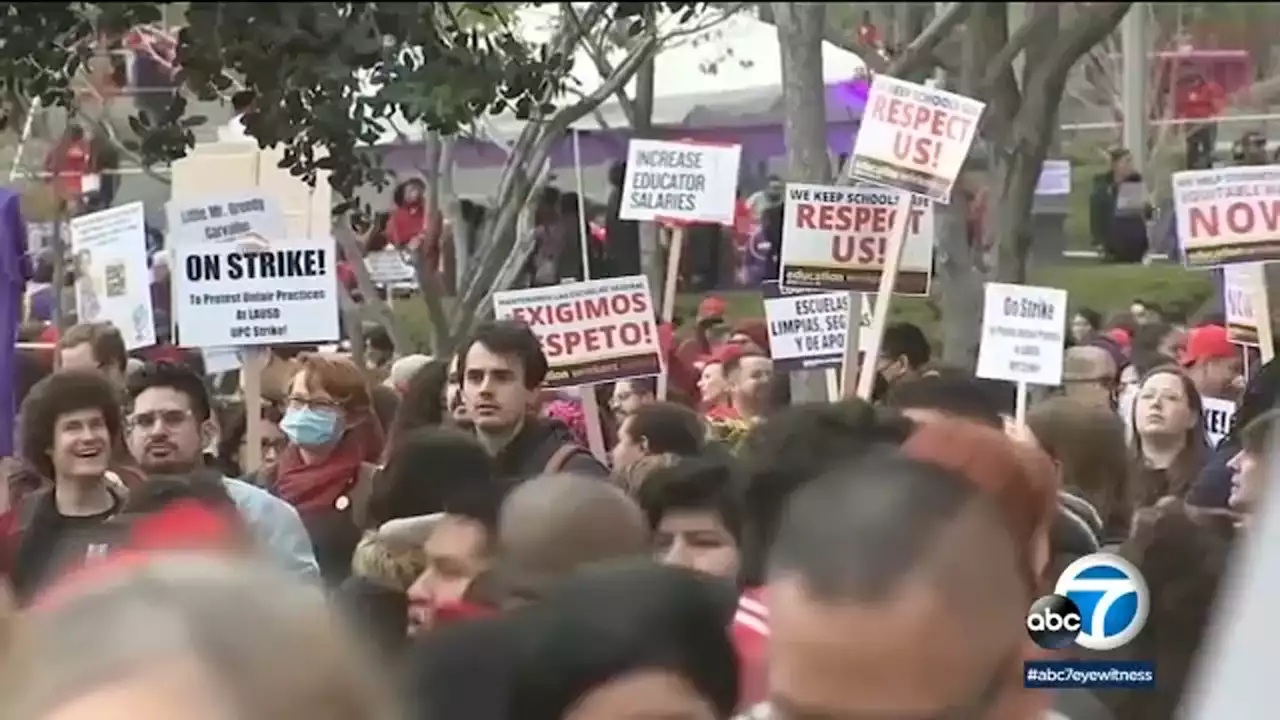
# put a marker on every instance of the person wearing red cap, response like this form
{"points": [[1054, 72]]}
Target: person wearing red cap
{"points": [[1213, 362]]}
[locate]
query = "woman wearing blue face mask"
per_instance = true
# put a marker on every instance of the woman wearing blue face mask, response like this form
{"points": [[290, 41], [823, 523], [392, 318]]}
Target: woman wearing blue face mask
{"points": [[333, 434]]}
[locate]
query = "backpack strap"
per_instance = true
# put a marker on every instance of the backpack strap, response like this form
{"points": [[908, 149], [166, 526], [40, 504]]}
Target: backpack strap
{"points": [[561, 457]]}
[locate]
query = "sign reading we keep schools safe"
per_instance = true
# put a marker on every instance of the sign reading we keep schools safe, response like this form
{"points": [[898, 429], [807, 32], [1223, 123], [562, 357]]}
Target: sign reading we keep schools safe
{"points": [[681, 181], [591, 332], [1023, 333], [914, 138], [837, 238], [1228, 215]]}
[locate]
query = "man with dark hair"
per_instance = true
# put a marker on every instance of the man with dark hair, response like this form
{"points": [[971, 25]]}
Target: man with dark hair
{"points": [[631, 395], [903, 352], [946, 395], [749, 375], [94, 346], [70, 422], [659, 429], [502, 367], [695, 511], [171, 423], [893, 592]]}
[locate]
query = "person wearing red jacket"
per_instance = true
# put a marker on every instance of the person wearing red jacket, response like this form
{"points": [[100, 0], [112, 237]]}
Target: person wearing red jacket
{"points": [[1200, 100]]}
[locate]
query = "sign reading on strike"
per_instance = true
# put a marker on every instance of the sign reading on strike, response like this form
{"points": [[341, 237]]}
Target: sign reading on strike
{"points": [[837, 238], [914, 138], [680, 181], [1226, 216], [231, 294], [1238, 285], [1219, 417], [1023, 331], [591, 332], [806, 329]]}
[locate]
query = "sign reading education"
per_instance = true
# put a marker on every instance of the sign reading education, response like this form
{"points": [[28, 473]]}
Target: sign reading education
{"points": [[1229, 215], [591, 332], [914, 138], [254, 294], [113, 282], [1022, 334], [681, 181], [837, 238], [1239, 283], [806, 329]]}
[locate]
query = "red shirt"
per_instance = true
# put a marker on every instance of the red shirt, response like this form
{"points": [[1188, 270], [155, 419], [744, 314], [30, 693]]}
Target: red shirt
{"points": [[1201, 102], [69, 163], [750, 634]]}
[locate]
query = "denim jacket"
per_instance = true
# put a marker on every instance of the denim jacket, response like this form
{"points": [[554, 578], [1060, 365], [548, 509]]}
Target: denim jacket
{"points": [[276, 527]]}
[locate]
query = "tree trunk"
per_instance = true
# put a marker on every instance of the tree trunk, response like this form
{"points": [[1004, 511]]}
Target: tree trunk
{"points": [[652, 258], [804, 125]]}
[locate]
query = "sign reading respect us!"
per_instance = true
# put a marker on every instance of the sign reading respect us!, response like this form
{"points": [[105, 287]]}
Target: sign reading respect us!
{"points": [[591, 332], [837, 238], [1227, 216], [1023, 333], [689, 182], [1238, 285], [914, 137]]}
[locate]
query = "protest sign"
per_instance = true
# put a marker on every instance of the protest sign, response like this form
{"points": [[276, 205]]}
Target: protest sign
{"points": [[1229, 215], [1023, 330], [113, 282], [681, 181], [837, 238], [388, 267], [1219, 417], [914, 137], [591, 332], [1055, 178], [225, 218], [806, 329], [1239, 285], [241, 294]]}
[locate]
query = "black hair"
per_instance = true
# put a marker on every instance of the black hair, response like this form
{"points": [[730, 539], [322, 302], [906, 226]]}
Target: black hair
{"points": [[857, 531], [233, 424], [1091, 316], [644, 385], [694, 484], [376, 337], [1144, 361], [512, 338], [64, 392], [438, 469], [386, 403], [178, 378], [797, 445], [617, 173], [608, 621], [905, 340], [397, 196], [669, 428], [1147, 338], [162, 490], [955, 395], [423, 402]]}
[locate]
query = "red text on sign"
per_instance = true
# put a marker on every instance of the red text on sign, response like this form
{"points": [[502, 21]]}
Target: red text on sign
{"points": [[596, 340], [1238, 218], [596, 308], [860, 233], [924, 128]]}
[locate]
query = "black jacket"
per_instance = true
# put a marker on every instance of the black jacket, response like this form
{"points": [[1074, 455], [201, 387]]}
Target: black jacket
{"points": [[532, 449]]}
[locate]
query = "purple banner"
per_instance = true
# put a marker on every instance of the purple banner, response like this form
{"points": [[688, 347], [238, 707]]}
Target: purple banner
{"points": [[14, 272]]}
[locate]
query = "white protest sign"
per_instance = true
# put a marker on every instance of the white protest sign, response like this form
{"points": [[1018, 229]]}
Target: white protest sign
{"points": [[914, 137], [683, 181], [806, 329], [1239, 283], [1023, 332], [225, 218], [1055, 178], [1228, 215], [591, 332], [113, 282], [250, 294], [388, 267], [1219, 416], [837, 238]]}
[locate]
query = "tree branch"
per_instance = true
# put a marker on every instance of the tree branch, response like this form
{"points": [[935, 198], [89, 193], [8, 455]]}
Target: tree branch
{"points": [[918, 54], [596, 52], [1002, 62]]}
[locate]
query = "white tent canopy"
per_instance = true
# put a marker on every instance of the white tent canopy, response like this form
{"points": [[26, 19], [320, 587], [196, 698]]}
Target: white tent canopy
{"points": [[709, 60]]}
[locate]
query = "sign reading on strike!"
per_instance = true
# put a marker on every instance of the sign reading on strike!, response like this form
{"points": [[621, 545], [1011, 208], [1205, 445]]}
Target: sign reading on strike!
{"points": [[680, 181], [591, 332], [1022, 334], [1238, 285], [232, 294], [806, 329], [1226, 216], [837, 238], [1219, 417], [914, 137]]}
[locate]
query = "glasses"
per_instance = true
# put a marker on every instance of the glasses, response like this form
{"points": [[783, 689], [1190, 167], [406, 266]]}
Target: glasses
{"points": [[168, 418]]}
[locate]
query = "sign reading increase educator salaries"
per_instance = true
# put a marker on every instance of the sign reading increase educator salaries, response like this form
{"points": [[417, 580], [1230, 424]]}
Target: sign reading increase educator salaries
{"points": [[1228, 216], [591, 332], [806, 329], [914, 137], [836, 238], [680, 181], [232, 294], [1022, 334]]}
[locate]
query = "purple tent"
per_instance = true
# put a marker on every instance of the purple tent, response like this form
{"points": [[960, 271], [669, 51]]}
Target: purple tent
{"points": [[15, 270]]}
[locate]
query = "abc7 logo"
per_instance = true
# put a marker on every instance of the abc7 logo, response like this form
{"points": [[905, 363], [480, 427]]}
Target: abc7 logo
{"points": [[1099, 603]]}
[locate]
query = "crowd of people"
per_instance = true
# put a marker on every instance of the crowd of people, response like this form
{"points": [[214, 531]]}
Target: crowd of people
{"points": [[440, 543]]}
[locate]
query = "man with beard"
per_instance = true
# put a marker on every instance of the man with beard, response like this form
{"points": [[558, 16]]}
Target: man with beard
{"points": [[170, 425]]}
